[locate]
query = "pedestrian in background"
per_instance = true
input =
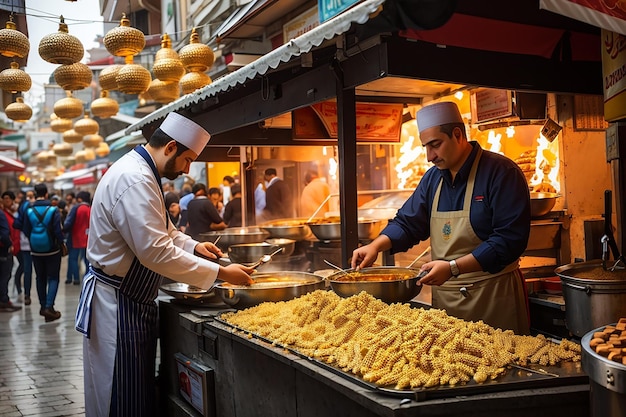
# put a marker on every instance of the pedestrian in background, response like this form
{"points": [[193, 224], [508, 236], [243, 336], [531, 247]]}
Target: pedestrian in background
{"points": [[232, 211], [8, 237], [76, 228], [47, 258], [314, 196], [278, 198], [24, 258]]}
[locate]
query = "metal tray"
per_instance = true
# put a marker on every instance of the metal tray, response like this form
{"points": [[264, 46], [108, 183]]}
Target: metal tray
{"points": [[536, 376], [190, 295]]}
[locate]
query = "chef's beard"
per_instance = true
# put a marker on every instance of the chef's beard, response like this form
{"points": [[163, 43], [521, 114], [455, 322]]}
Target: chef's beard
{"points": [[168, 170]]}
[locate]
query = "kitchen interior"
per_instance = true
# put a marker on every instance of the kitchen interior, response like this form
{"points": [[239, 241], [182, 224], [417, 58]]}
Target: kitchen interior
{"points": [[559, 138]]}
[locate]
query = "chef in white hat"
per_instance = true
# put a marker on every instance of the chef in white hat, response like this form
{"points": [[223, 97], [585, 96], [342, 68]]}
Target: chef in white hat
{"points": [[474, 206], [132, 244]]}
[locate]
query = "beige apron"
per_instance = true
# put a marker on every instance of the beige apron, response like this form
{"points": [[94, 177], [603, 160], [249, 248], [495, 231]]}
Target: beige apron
{"points": [[497, 299]]}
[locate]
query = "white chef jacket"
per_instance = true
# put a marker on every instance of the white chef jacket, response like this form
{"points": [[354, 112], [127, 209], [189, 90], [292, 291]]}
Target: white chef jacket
{"points": [[128, 220]]}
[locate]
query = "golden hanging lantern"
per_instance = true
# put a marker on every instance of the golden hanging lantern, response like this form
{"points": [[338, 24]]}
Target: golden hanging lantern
{"points": [[19, 111], [107, 77], [73, 76], [68, 107], [86, 126], [167, 65], [13, 43], [50, 173], [103, 150], [58, 124], [14, 79], [42, 158], [52, 158], [92, 141], [104, 106], [124, 40], [133, 78], [85, 155], [72, 136], [194, 80], [63, 149], [145, 97], [61, 47], [196, 56], [164, 92]]}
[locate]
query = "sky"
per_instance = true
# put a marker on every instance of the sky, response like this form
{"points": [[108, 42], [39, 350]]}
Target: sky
{"points": [[43, 17]]}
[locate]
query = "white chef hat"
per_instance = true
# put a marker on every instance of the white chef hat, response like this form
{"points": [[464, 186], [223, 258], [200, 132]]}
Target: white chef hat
{"points": [[186, 132], [438, 114]]}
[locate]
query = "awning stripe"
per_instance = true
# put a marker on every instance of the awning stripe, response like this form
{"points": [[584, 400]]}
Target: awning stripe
{"points": [[601, 16], [295, 47]]}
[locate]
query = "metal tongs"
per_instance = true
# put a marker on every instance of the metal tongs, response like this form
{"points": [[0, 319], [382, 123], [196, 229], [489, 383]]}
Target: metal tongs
{"points": [[608, 241]]}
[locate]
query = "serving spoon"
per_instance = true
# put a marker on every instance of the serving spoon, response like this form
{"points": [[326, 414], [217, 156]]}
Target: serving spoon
{"points": [[266, 258]]}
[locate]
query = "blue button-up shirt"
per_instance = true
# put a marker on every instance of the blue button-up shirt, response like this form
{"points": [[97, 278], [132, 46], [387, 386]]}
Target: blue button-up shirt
{"points": [[499, 213]]}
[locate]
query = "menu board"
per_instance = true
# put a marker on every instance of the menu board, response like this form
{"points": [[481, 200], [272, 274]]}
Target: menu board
{"points": [[491, 104]]}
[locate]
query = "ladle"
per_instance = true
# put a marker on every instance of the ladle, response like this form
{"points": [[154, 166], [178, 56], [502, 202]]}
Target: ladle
{"points": [[421, 255], [336, 267], [266, 258]]}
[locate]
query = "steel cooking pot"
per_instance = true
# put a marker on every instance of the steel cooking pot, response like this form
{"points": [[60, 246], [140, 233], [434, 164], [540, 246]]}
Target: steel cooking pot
{"points": [[234, 236], [541, 203], [388, 283], [189, 294], [247, 253], [295, 229], [330, 228], [269, 286], [593, 297]]}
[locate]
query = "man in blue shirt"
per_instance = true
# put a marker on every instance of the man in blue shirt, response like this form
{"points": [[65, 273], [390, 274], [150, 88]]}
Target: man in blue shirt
{"points": [[474, 205]]}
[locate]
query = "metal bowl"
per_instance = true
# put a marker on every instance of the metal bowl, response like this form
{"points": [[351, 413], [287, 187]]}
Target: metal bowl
{"points": [[188, 294], [388, 283], [234, 236], [247, 253], [541, 203], [330, 228], [295, 229], [288, 245], [269, 286]]}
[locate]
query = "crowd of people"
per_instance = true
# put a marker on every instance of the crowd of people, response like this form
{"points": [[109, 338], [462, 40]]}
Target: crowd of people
{"points": [[38, 230]]}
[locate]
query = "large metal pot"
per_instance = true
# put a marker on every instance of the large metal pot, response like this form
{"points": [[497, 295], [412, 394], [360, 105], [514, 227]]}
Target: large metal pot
{"points": [[330, 228], [591, 302], [541, 203], [295, 229], [247, 253], [234, 236], [607, 380], [188, 294], [388, 283], [269, 286]]}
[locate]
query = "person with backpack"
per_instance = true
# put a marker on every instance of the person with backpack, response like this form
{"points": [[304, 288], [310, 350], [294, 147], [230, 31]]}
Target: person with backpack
{"points": [[24, 259], [76, 228], [43, 228]]}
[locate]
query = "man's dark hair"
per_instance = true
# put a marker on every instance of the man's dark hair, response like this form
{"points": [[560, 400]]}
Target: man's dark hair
{"points": [[40, 190], [11, 194], [235, 189], [198, 187], [70, 193], [230, 179], [85, 196], [214, 190], [270, 171], [159, 139], [448, 128]]}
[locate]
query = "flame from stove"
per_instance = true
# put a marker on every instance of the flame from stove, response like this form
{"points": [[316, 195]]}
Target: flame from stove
{"points": [[412, 162], [546, 178]]}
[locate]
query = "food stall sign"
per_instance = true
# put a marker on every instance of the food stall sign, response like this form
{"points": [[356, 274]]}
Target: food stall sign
{"points": [[331, 8], [300, 24], [375, 122], [490, 104], [614, 75]]}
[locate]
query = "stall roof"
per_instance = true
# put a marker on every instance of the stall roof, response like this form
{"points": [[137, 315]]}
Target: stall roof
{"points": [[596, 13], [295, 47], [11, 165]]}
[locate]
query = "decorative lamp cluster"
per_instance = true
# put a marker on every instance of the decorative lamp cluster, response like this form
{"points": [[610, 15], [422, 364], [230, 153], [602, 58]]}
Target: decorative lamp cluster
{"points": [[196, 58], [14, 43], [168, 69], [125, 41]]}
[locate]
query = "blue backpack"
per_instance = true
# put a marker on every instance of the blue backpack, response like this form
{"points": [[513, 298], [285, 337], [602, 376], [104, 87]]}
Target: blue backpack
{"points": [[41, 240]]}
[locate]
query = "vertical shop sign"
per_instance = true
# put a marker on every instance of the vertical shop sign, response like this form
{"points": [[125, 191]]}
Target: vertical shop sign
{"points": [[614, 75]]}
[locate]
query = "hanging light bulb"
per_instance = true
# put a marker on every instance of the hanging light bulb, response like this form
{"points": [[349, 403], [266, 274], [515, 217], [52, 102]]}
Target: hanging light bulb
{"points": [[14, 79], [68, 107], [19, 111], [61, 47], [86, 126], [167, 65], [13, 43], [73, 76], [104, 106]]}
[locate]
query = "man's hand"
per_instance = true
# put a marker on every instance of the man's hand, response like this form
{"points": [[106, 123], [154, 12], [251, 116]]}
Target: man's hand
{"points": [[236, 274], [208, 250]]}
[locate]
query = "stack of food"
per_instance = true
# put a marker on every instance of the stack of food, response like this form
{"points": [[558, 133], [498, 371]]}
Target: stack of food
{"points": [[526, 162], [395, 344], [611, 342]]}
